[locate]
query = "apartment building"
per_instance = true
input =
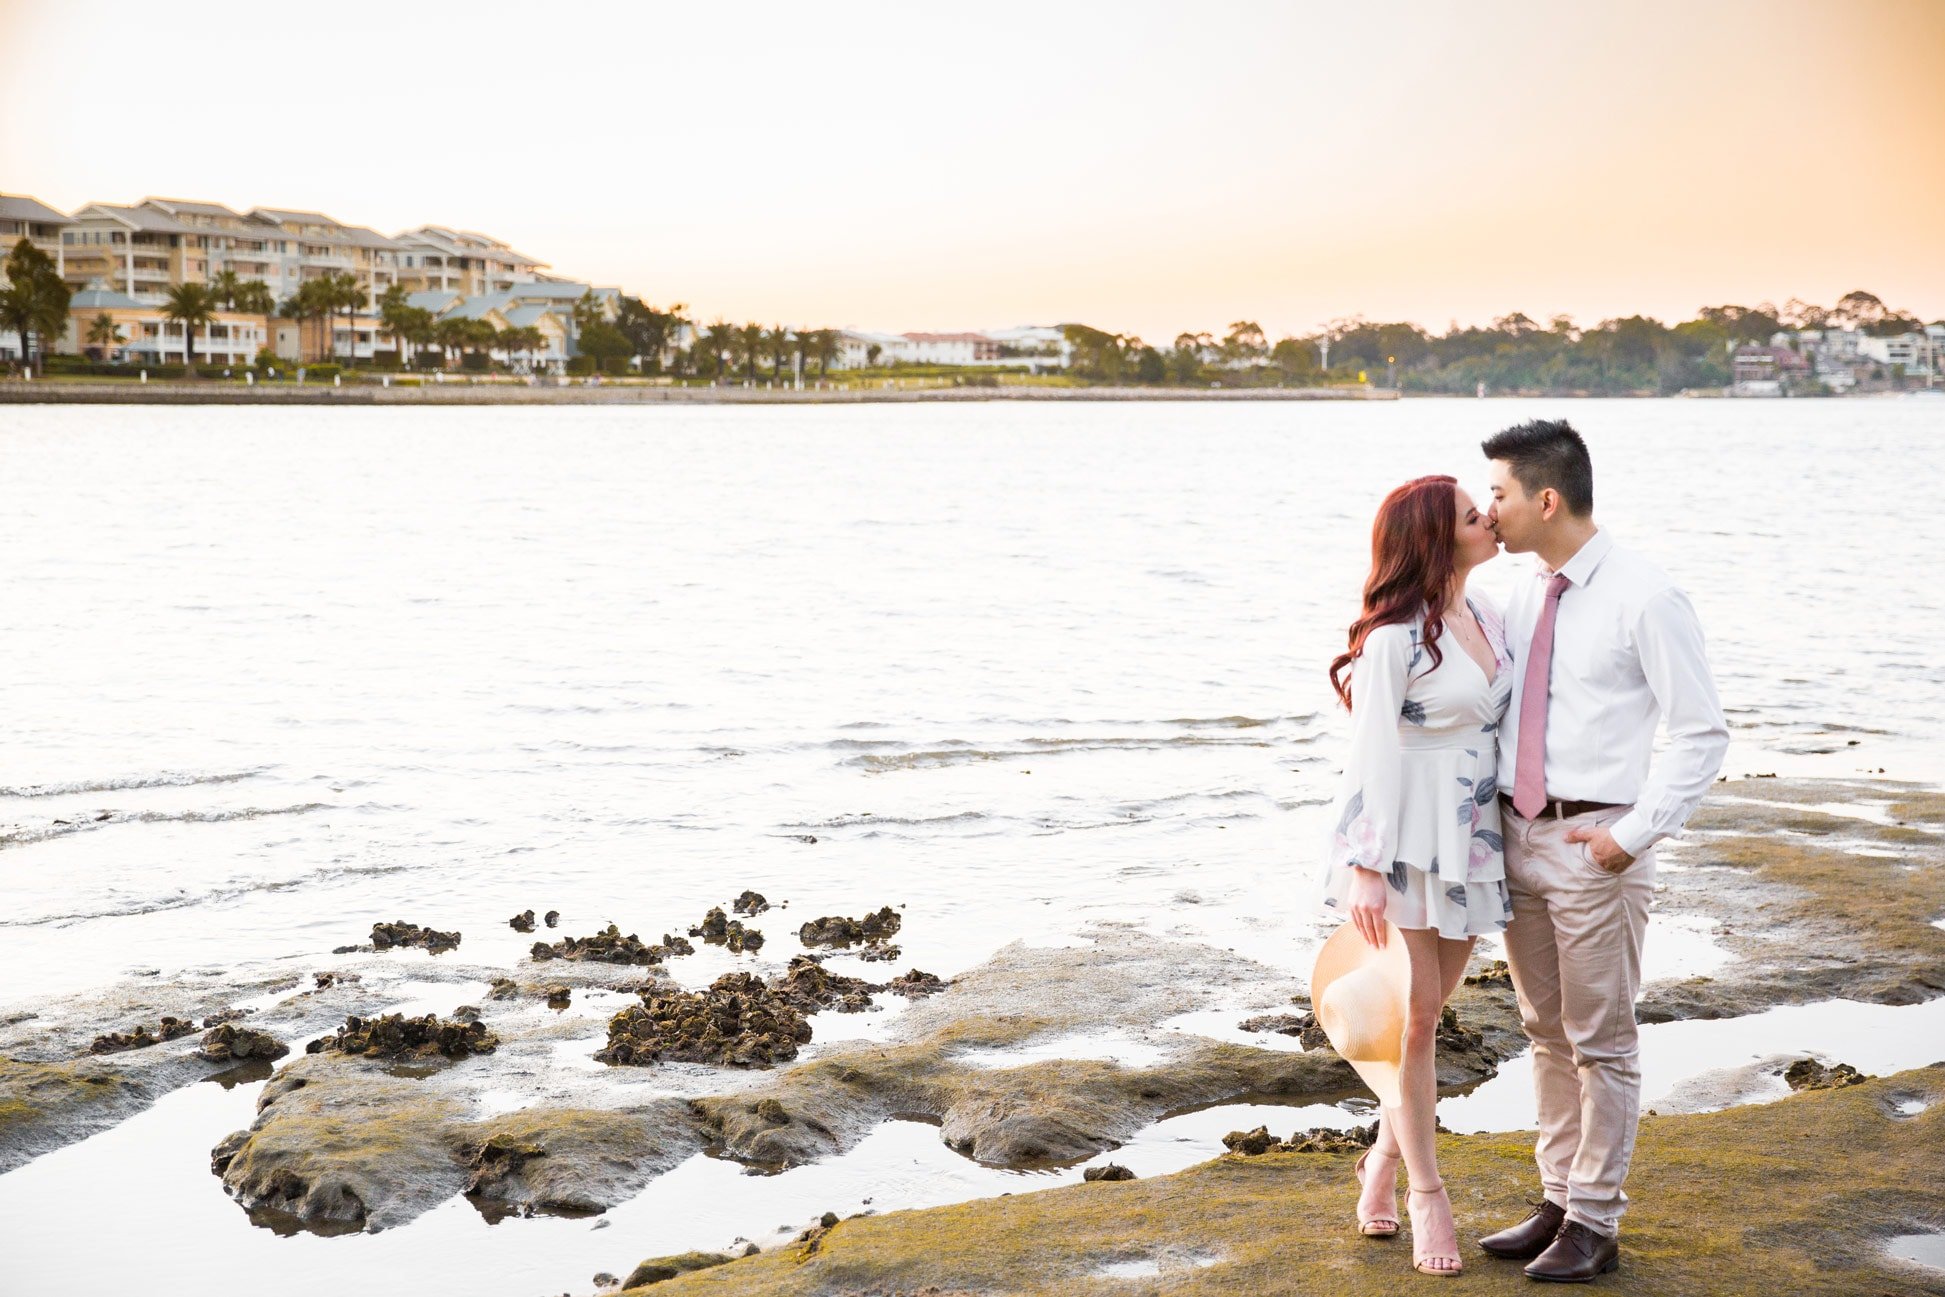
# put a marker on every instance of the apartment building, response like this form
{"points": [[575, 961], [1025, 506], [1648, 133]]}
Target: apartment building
{"points": [[436, 259], [22, 217]]}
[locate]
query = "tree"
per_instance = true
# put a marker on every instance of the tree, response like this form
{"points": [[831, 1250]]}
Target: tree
{"points": [[605, 344], [1244, 342], [344, 293], [779, 340], [451, 335], [194, 306], [224, 288], [104, 333], [1149, 366], [34, 303], [825, 342], [311, 301], [717, 343], [254, 297], [749, 345], [647, 329], [410, 326]]}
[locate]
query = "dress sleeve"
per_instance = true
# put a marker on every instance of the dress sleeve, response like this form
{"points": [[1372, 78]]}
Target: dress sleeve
{"points": [[1367, 827]]}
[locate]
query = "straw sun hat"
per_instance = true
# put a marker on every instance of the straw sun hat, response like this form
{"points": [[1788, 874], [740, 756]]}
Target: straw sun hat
{"points": [[1360, 995]]}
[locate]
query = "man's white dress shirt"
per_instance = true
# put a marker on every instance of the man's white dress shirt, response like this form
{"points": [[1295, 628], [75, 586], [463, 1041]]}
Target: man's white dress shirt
{"points": [[1627, 655]]}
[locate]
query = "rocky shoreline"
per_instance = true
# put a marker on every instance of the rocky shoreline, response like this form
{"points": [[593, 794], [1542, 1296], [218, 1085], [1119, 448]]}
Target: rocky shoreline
{"points": [[1819, 889]]}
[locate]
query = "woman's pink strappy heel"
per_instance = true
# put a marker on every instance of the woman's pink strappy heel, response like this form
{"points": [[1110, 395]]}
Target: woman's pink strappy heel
{"points": [[1421, 1260], [1375, 1226]]}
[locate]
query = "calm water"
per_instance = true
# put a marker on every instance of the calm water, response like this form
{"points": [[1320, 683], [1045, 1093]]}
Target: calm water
{"points": [[1020, 668]]}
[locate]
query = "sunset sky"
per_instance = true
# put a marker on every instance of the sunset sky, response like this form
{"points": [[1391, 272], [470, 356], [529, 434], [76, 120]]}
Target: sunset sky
{"points": [[1144, 167]]}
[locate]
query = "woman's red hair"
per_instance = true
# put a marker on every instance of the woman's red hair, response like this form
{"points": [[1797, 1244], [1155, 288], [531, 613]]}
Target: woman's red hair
{"points": [[1413, 546]]}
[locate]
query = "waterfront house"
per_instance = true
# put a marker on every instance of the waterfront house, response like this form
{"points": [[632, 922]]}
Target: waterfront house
{"points": [[25, 219]]}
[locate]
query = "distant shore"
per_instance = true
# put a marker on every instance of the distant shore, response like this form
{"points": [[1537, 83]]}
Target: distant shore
{"points": [[58, 392]]}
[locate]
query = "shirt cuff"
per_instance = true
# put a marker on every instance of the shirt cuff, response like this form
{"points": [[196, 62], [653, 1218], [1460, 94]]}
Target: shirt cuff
{"points": [[1632, 833]]}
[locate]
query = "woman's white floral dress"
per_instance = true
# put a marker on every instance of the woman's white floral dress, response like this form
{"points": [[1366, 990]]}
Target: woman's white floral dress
{"points": [[1419, 801]]}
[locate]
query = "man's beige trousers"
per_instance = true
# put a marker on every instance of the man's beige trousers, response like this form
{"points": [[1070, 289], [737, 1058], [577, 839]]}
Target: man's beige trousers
{"points": [[1574, 947]]}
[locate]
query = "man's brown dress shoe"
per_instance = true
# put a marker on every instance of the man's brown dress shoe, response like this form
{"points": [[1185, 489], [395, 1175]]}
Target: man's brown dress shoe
{"points": [[1529, 1238], [1577, 1255]]}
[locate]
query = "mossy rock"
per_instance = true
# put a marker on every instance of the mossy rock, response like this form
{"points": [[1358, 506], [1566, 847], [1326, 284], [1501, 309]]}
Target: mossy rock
{"points": [[663, 1268], [1795, 1197]]}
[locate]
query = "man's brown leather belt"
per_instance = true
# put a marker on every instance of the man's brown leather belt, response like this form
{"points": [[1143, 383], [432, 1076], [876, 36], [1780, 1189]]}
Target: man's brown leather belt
{"points": [[1560, 807]]}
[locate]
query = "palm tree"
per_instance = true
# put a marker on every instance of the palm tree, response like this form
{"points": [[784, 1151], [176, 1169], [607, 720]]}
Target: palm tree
{"points": [[825, 341], [224, 288], [347, 295], [779, 341], [717, 342], [195, 306], [451, 335], [309, 302], [103, 332], [749, 345], [253, 297]]}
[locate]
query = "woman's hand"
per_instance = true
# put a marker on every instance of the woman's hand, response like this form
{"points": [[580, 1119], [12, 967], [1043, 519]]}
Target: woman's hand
{"points": [[1367, 905]]}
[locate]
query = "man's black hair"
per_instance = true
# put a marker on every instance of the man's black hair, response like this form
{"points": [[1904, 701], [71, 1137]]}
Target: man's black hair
{"points": [[1547, 453]]}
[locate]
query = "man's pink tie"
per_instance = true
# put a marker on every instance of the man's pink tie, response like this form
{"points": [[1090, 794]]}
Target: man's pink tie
{"points": [[1530, 770]]}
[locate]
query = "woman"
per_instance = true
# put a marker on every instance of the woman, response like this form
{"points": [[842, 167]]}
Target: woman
{"points": [[1418, 841]]}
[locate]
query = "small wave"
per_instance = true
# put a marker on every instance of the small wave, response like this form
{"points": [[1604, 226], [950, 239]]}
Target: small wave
{"points": [[1027, 749], [168, 779], [62, 828], [868, 820], [215, 896]]}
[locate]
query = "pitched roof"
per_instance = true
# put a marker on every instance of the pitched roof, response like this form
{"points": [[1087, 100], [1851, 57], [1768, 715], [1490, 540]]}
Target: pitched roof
{"points": [[279, 216], [177, 205], [477, 308], [432, 299], [19, 207], [97, 298], [521, 316], [138, 218], [946, 337]]}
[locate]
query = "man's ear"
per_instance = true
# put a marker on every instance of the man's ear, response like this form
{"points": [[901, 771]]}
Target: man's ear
{"points": [[1549, 503]]}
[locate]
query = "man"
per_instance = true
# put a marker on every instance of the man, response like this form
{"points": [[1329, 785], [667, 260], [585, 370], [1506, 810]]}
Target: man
{"points": [[1605, 647]]}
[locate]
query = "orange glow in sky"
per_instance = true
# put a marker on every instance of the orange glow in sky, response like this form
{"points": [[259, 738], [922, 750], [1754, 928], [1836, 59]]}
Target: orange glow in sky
{"points": [[1144, 167]]}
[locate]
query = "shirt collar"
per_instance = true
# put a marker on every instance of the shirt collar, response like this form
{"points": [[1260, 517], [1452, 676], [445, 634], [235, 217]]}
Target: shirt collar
{"points": [[1586, 559]]}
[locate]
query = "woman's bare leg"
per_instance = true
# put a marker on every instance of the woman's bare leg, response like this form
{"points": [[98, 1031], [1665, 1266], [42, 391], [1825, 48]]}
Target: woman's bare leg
{"points": [[1413, 1122]]}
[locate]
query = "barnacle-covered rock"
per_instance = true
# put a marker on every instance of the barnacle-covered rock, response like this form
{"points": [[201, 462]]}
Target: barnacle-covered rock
{"points": [[836, 930], [610, 946], [142, 1037], [384, 936], [394, 1035], [227, 1041], [738, 1021]]}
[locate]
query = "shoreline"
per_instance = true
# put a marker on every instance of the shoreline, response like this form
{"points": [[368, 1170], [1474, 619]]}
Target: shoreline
{"points": [[56, 392]]}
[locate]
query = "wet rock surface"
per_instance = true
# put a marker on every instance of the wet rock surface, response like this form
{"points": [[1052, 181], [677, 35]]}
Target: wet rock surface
{"points": [[1495, 973], [394, 1035], [750, 904], [522, 922], [386, 936], [836, 930], [1277, 1222], [1112, 1171], [739, 1021], [1303, 1026], [1813, 903]]}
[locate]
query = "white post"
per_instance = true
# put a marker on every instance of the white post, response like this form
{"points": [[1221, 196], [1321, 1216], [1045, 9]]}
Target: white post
{"points": [[249, 378], [145, 376]]}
